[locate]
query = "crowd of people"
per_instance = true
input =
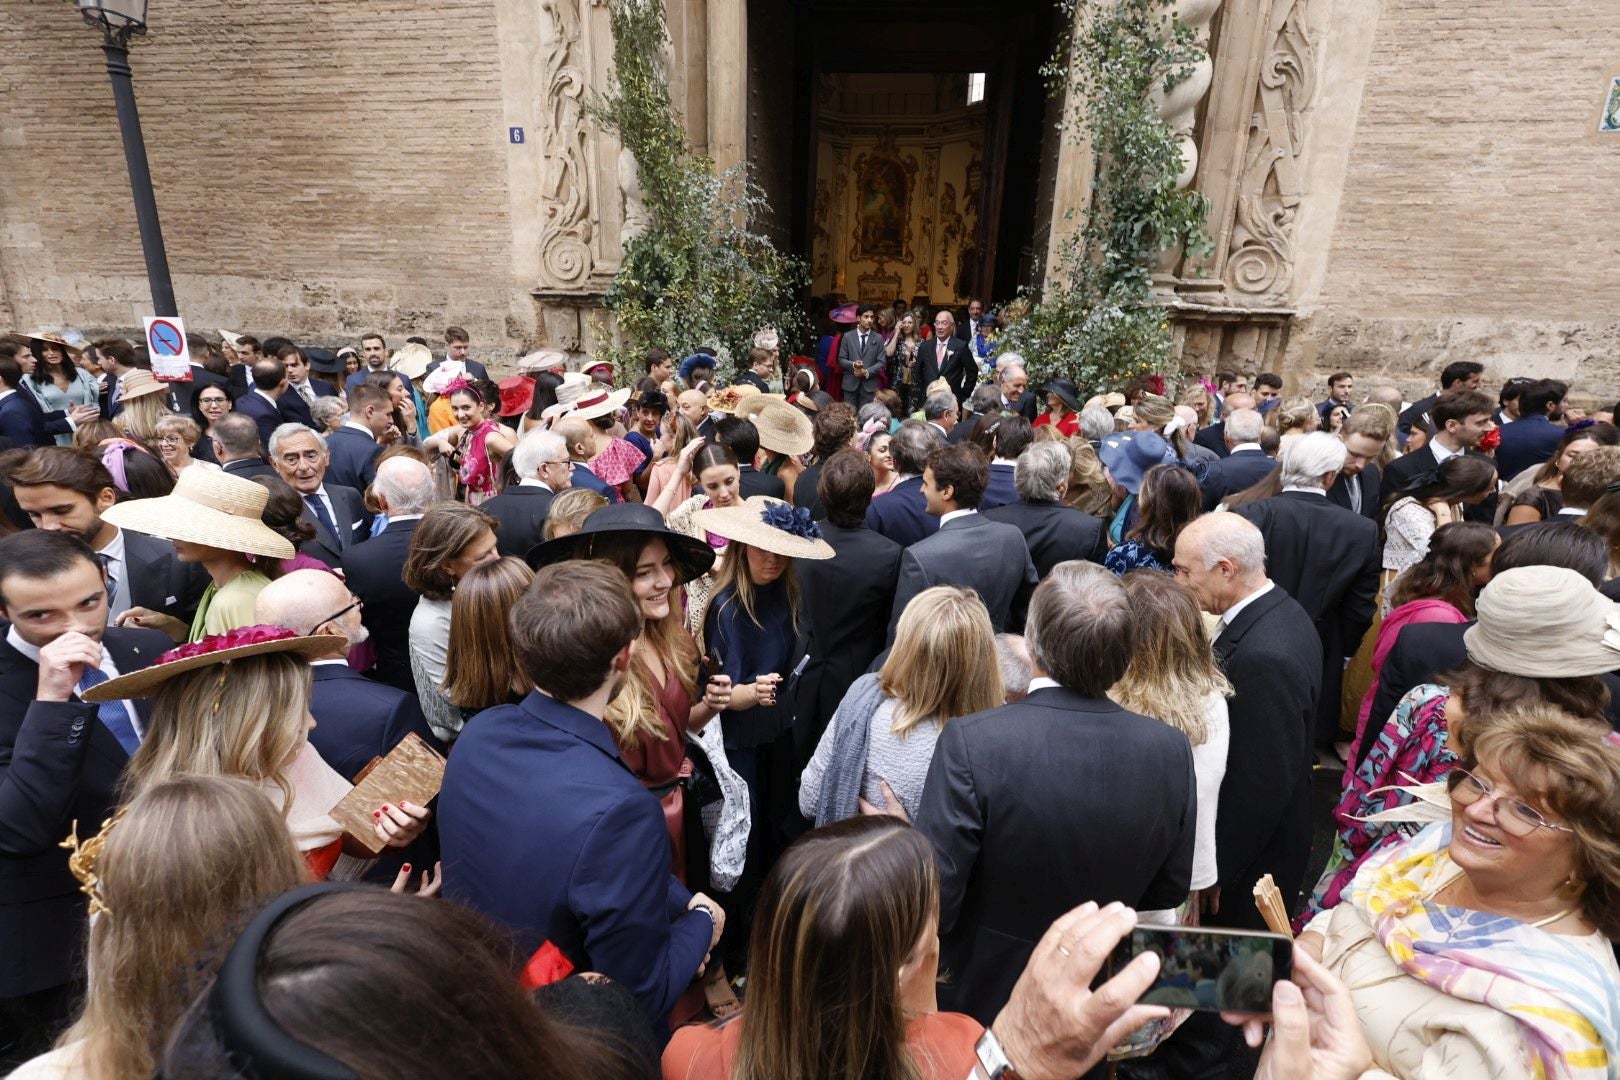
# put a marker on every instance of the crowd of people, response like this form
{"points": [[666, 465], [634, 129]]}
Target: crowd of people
{"points": [[831, 715]]}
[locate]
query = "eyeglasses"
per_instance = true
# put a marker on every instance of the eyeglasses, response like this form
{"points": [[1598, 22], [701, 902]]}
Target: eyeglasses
{"points": [[1517, 818], [338, 614]]}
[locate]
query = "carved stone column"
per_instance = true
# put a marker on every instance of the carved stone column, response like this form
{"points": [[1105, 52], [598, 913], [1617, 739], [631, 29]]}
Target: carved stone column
{"points": [[1178, 107]]}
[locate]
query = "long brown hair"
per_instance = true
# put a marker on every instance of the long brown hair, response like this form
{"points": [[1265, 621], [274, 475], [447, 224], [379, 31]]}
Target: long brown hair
{"points": [[633, 715], [480, 665], [1447, 571], [735, 574], [444, 532], [937, 668], [1173, 669], [187, 858], [838, 916], [1169, 500]]}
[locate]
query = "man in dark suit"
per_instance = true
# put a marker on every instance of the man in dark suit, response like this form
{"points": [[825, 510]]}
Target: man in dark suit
{"points": [[967, 324], [1461, 418], [1358, 485], [237, 448], [1324, 556], [901, 513], [64, 489], [1268, 648], [1458, 375], [743, 439], [458, 347], [262, 404], [1534, 436], [1064, 789], [1013, 436], [581, 860], [968, 550], [844, 602], [375, 570], [1054, 532], [60, 762], [353, 448], [21, 420], [946, 356], [861, 358], [302, 391], [1014, 383], [543, 469], [337, 513], [833, 428], [1213, 436], [1244, 464], [761, 368]]}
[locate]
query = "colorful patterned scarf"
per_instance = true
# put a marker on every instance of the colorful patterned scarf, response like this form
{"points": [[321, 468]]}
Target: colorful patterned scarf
{"points": [[1562, 998]]}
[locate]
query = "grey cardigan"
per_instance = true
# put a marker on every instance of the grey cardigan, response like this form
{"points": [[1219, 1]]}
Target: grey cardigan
{"points": [[835, 794]]}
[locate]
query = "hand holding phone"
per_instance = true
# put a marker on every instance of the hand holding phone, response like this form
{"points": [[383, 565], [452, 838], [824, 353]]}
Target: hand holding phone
{"points": [[1227, 971]]}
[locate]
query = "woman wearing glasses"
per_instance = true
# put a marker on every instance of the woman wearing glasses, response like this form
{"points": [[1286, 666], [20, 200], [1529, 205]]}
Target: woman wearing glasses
{"points": [[1482, 947]]}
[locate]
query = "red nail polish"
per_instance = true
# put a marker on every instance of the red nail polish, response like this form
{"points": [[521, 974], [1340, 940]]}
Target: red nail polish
{"points": [[376, 813], [406, 868]]}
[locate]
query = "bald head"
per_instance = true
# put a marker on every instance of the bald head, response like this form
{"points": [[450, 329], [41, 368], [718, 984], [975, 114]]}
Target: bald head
{"points": [[577, 435], [403, 486], [307, 601], [1386, 395], [1244, 400]]}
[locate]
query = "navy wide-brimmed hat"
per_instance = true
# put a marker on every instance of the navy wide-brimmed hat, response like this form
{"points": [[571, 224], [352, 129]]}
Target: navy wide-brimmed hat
{"points": [[324, 361], [692, 557], [1128, 455]]}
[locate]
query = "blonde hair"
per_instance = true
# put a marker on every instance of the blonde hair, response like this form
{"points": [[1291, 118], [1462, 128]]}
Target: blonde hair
{"points": [[734, 574], [1294, 415], [140, 415], [633, 715], [481, 662], [1154, 411], [569, 510], [183, 426], [1172, 668], [1371, 416], [939, 667], [190, 856], [1089, 492], [246, 718]]}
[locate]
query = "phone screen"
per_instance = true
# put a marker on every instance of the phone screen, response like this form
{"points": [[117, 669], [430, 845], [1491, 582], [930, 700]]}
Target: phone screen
{"points": [[1210, 970]]}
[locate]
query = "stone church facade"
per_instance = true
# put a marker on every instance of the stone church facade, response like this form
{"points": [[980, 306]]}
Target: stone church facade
{"points": [[1395, 184]]}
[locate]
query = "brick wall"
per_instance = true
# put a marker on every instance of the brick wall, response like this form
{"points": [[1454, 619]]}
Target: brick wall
{"points": [[1478, 218], [321, 168]]}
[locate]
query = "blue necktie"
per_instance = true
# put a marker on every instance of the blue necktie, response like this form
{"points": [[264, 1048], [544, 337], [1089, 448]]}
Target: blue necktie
{"points": [[319, 508], [114, 715]]}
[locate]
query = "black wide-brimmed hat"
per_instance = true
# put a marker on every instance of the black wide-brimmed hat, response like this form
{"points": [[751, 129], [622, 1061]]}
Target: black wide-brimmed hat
{"points": [[692, 557], [324, 361], [1066, 391]]}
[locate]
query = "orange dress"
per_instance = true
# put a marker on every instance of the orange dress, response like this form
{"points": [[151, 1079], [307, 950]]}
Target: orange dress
{"points": [[941, 1042]]}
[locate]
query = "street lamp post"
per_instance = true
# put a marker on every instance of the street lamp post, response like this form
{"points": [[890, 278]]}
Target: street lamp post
{"points": [[118, 21]]}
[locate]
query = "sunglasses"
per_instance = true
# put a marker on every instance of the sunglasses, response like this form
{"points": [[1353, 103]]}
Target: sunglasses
{"points": [[1517, 817], [338, 614]]}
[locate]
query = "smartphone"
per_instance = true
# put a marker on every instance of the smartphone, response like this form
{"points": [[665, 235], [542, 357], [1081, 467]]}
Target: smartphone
{"points": [[1208, 969]]}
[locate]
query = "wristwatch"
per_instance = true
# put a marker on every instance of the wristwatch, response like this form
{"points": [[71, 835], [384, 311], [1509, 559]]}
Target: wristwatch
{"points": [[992, 1059]]}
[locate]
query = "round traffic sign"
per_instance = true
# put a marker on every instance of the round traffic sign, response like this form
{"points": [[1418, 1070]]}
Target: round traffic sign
{"points": [[165, 339]]}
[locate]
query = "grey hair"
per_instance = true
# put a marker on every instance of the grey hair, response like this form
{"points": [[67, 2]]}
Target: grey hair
{"points": [[939, 405], [986, 398], [326, 409], [911, 446], [1079, 628], [534, 449], [289, 431], [1004, 371], [406, 484], [1225, 535], [1096, 423], [872, 410], [1013, 659], [1009, 360], [1243, 425], [1307, 459], [1042, 470]]}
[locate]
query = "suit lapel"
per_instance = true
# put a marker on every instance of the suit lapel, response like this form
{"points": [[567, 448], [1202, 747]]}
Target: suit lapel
{"points": [[1227, 642]]}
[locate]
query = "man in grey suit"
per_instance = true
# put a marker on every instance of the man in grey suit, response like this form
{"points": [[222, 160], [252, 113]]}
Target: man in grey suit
{"points": [[969, 550], [861, 358]]}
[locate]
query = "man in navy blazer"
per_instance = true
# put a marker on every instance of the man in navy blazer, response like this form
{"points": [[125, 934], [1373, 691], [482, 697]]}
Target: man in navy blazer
{"points": [[375, 570], [353, 449], [901, 513], [60, 762], [543, 826], [1534, 436], [969, 549], [263, 402], [1053, 532], [20, 421], [1245, 463]]}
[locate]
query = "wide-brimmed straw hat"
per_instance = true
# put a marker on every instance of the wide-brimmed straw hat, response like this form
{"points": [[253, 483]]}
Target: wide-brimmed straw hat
{"points": [[411, 360], [238, 644], [230, 337], [138, 383], [1544, 622], [731, 398], [207, 507], [692, 557], [601, 402], [542, 360], [751, 405], [783, 429], [573, 387], [768, 524], [1111, 400], [51, 336]]}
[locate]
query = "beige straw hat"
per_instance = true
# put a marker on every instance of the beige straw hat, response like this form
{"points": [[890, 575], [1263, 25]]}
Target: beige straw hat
{"points": [[573, 387], [1544, 622], [783, 428], [411, 361], [750, 406], [598, 402], [138, 383], [544, 360], [218, 649], [731, 398], [207, 507], [230, 338], [50, 336], [768, 524]]}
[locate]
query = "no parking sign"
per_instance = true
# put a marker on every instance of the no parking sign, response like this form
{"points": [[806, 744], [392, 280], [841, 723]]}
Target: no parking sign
{"points": [[166, 343]]}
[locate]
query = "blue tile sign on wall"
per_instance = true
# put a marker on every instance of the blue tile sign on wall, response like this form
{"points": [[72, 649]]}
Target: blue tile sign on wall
{"points": [[515, 134]]}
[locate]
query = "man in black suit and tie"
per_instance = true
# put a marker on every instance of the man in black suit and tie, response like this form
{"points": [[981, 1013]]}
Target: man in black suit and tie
{"points": [[302, 391], [1245, 463], [1213, 436], [743, 439], [375, 570], [1063, 797], [543, 468], [972, 316], [1358, 485], [237, 448], [861, 358], [1055, 533], [338, 514], [1267, 646], [21, 420], [354, 448], [64, 489], [946, 356], [1461, 418], [901, 513], [457, 347], [1324, 556], [262, 404], [1457, 375], [60, 762], [1014, 383], [844, 601], [969, 549]]}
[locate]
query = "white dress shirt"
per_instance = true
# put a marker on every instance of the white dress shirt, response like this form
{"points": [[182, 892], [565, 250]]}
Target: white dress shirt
{"points": [[1232, 612], [953, 515], [118, 570], [15, 640]]}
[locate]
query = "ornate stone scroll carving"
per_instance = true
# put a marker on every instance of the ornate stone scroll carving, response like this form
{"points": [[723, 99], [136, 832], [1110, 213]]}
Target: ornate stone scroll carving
{"points": [[1260, 261], [566, 256]]}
